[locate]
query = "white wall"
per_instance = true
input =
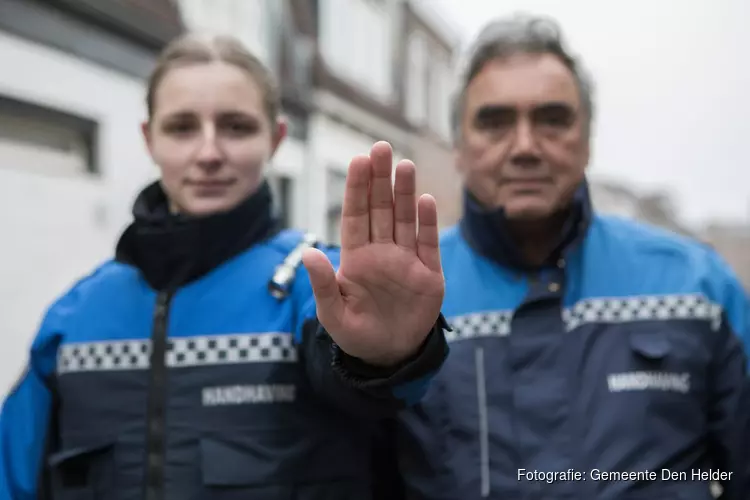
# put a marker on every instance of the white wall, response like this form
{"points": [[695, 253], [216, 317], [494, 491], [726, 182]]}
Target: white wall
{"points": [[610, 202], [55, 229], [332, 147]]}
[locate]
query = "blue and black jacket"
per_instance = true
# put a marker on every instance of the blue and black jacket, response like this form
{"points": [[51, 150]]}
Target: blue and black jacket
{"points": [[626, 354], [174, 372]]}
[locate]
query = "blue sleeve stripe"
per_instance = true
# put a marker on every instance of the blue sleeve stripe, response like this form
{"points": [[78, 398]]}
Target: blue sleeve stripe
{"points": [[24, 423]]}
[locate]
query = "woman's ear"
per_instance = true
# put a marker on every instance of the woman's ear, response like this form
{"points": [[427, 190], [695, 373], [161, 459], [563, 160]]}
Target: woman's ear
{"points": [[279, 134]]}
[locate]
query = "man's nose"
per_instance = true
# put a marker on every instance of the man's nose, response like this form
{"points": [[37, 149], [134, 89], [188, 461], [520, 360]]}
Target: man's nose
{"points": [[524, 140], [524, 150]]}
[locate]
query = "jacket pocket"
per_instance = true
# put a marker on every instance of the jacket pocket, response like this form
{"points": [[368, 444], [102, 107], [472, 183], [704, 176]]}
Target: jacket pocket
{"points": [[666, 363], [668, 380], [275, 466], [231, 472], [85, 472]]}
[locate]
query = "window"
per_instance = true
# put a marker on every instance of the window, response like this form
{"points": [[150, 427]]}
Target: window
{"points": [[446, 93], [281, 188], [301, 55], [335, 192], [274, 22], [251, 22], [439, 96], [360, 49], [296, 126], [333, 236], [416, 82], [42, 140]]}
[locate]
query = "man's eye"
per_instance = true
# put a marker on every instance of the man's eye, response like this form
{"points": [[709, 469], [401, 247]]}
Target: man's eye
{"points": [[555, 121], [490, 121], [494, 122], [555, 116]]}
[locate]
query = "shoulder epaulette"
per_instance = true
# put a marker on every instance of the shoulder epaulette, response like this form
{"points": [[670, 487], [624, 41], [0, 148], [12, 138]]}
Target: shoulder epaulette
{"points": [[283, 276]]}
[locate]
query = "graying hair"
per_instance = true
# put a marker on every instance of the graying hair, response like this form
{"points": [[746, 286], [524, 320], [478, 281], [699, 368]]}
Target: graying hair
{"points": [[521, 34]]}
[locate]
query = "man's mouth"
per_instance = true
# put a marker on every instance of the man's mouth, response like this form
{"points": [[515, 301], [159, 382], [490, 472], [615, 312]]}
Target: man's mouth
{"points": [[211, 184], [528, 184]]}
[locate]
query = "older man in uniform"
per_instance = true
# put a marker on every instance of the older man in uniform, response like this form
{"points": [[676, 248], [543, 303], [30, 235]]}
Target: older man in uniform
{"points": [[589, 354]]}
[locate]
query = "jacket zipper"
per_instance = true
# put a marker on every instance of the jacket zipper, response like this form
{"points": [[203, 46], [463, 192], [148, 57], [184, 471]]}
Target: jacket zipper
{"points": [[156, 416], [484, 445]]}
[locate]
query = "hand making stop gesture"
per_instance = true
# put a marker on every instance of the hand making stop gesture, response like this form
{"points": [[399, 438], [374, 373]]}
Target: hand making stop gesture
{"points": [[387, 294]]}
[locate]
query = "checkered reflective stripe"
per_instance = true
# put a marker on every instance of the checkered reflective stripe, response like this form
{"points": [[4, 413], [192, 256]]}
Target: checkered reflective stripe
{"points": [[181, 352], [642, 308], [226, 349], [596, 310], [483, 324], [103, 356]]}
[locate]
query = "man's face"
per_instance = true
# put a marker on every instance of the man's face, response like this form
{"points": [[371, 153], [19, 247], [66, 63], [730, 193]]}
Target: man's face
{"points": [[524, 143]]}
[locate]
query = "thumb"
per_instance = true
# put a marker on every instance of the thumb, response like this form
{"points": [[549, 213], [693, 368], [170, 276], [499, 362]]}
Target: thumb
{"points": [[328, 299]]}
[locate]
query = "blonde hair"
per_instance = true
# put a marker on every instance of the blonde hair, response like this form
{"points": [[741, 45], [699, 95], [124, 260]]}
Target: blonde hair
{"points": [[194, 48]]}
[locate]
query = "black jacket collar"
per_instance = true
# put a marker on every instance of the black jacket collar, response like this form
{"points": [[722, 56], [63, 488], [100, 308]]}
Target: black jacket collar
{"points": [[172, 250], [487, 233]]}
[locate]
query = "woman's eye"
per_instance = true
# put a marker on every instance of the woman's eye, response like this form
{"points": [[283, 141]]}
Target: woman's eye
{"points": [[179, 128]]}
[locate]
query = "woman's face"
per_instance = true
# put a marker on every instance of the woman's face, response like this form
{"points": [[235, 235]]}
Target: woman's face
{"points": [[210, 136]]}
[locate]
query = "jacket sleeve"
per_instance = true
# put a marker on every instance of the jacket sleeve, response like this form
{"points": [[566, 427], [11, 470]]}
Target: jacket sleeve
{"points": [[25, 420], [353, 386], [729, 403]]}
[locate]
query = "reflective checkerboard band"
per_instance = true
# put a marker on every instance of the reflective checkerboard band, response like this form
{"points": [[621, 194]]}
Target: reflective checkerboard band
{"points": [[597, 310], [181, 352]]}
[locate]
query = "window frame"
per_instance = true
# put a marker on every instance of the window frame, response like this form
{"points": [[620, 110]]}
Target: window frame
{"points": [[87, 128]]}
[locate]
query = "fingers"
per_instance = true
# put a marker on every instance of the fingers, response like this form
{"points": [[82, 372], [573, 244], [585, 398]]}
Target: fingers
{"points": [[380, 211], [355, 212], [328, 299], [428, 239], [405, 205], [381, 193]]}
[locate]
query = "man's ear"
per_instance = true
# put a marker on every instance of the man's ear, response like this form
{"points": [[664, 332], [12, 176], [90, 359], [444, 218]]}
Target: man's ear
{"points": [[458, 159], [586, 154], [146, 133], [279, 134]]}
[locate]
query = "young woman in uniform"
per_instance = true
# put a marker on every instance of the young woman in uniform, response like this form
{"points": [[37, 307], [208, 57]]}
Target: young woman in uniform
{"points": [[202, 361]]}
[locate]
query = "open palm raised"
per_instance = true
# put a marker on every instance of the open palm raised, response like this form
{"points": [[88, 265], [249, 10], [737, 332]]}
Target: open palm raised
{"points": [[387, 294]]}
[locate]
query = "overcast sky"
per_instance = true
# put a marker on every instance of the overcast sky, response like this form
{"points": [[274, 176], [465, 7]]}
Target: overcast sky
{"points": [[673, 86]]}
